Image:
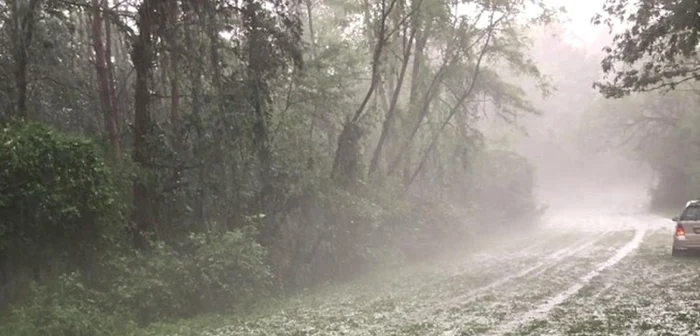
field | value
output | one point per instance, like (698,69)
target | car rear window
(691,213)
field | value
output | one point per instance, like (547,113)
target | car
(687,234)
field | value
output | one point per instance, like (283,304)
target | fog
(345,167)
(578,165)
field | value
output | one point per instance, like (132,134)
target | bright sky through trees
(578,18)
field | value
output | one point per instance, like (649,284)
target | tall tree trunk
(175,52)
(312,39)
(110,67)
(417,79)
(257,99)
(351,133)
(449,58)
(194,47)
(120,82)
(103,82)
(312,32)
(142,56)
(23,20)
(456,108)
(389,117)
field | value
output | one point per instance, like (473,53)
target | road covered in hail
(582,272)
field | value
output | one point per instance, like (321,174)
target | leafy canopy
(656,50)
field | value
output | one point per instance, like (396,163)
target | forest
(161,160)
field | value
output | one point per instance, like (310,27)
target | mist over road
(590,269)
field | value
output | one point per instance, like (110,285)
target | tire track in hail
(551,261)
(491,258)
(402,291)
(547,306)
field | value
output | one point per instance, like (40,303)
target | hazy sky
(579,14)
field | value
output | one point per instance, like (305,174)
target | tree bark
(389,117)
(257,99)
(312,32)
(351,132)
(455,109)
(175,114)
(23,20)
(103,82)
(142,55)
(432,92)
(110,68)
(194,47)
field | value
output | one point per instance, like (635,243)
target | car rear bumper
(686,244)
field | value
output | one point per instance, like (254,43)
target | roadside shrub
(58,203)
(63,307)
(230,269)
(506,191)
(209,272)
(147,286)
(204,273)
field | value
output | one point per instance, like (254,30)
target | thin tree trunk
(432,92)
(121,91)
(312,32)
(312,39)
(196,85)
(175,115)
(23,20)
(258,96)
(455,108)
(389,118)
(110,68)
(142,57)
(351,132)
(428,97)
(376,57)
(103,82)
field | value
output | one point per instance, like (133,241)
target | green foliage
(506,186)
(660,45)
(207,272)
(58,203)
(63,307)
(231,268)
(234,130)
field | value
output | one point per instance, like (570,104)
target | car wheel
(675,252)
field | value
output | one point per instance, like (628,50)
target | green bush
(58,203)
(207,272)
(230,269)
(64,307)
(212,272)
(147,285)
(506,189)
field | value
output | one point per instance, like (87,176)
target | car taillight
(680,231)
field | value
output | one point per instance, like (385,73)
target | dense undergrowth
(65,231)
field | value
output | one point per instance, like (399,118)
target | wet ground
(582,272)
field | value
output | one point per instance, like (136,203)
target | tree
(142,57)
(657,49)
(235,115)
(23,16)
(104,79)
